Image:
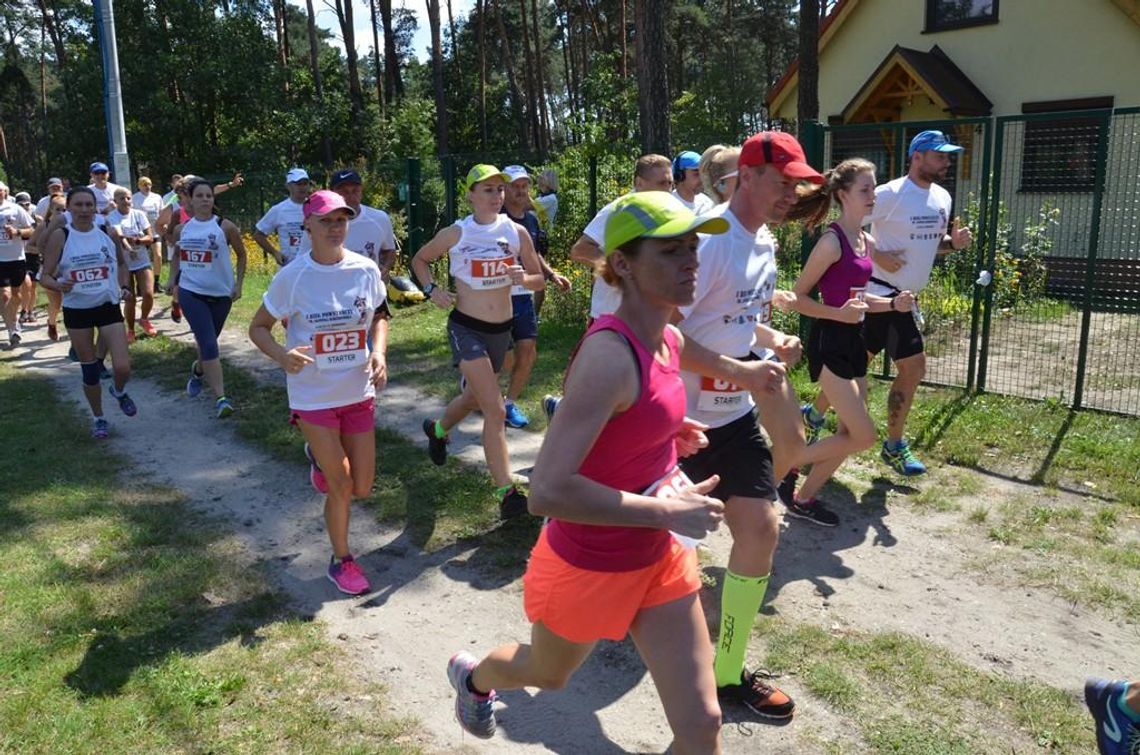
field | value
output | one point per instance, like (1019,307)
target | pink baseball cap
(323,202)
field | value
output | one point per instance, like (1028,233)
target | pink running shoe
(348,576)
(316,476)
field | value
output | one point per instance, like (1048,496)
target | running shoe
(14,339)
(100,429)
(130,336)
(223,407)
(194,384)
(148,329)
(761,698)
(176,312)
(513,504)
(902,460)
(32,317)
(475,713)
(23,316)
(787,487)
(53,331)
(550,405)
(813,511)
(348,576)
(316,476)
(1116,732)
(126,403)
(812,429)
(515,417)
(437,447)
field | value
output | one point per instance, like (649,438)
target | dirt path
(894,571)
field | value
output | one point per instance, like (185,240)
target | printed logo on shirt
(761,316)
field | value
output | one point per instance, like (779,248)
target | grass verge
(130,623)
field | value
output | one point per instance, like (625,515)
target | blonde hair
(814,202)
(144,181)
(716,162)
(548,181)
(647,163)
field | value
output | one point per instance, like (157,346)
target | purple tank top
(847,278)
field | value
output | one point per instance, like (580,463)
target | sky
(326,18)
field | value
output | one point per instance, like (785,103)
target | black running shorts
(92,317)
(894,331)
(837,346)
(737,452)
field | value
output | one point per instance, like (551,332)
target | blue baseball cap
(98,168)
(932,140)
(686,160)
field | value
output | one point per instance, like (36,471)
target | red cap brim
(803,171)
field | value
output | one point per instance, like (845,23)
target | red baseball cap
(781,149)
(323,202)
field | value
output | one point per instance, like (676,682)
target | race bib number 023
(491,273)
(340,349)
(721,396)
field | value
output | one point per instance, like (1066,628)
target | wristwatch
(428,289)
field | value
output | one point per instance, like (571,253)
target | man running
(54,186)
(16,227)
(104,190)
(286,220)
(151,204)
(369,229)
(687,185)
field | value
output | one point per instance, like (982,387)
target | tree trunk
(318,87)
(652,80)
(530,80)
(540,75)
(53,32)
(376,59)
(393,82)
(517,103)
(568,66)
(348,34)
(437,78)
(481,8)
(624,41)
(454,39)
(807,105)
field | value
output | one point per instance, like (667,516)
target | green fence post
(904,168)
(1090,265)
(979,257)
(593,185)
(813,140)
(412,205)
(448,165)
(991,246)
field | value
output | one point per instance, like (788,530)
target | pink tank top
(848,275)
(634,450)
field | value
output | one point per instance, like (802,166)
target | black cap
(346,176)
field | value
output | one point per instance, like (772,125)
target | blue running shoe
(223,407)
(194,384)
(515,416)
(126,403)
(902,460)
(475,713)
(549,406)
(812,429)
(1116,732)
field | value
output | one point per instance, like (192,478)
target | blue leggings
(207,316)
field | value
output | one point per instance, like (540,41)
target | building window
(1059,153)
(943,15)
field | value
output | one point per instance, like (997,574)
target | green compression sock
(440,433)
(740,600)
(502,489)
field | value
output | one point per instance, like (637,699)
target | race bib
(340,349)
(90,278)
(721,396)
(857,292)
(491,273)
(196,259)
(668,487)
(294,232)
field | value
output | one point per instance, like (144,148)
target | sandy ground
(878,571)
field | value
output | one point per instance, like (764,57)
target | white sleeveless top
(484,252)
(88,260)
(204,259)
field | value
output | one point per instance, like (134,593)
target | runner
(137,234)
(1115,708)
(15,229)
(52,219)
(840,265)
(718,172)
(334,363)
(54,186)
(524,307)
(286,220)
(730,315)
(87,266)
(687,183)
(606,565)
(173,214)
(205,285)
(546,203)
(150,203)
(488,253)
(32,259)
(370,230)
(103,189)
(911,226)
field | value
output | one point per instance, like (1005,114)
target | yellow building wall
(1039,50)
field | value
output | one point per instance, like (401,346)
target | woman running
(138,235)
(488,254)
(840,265)
(150,202)
(204,285)
(88,267)
(334,362)
(718,172)
(56,208)
(606,565)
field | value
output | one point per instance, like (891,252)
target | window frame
(933,26)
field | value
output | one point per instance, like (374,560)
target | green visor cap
(656,215)
(481,173)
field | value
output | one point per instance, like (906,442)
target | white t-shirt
(330,310)
(12,247)
(604,298)
(549,204)
(286,220)
(735,284)
(701,204)
(42,205)
(204,265)
(908,217)
(134,225)
(370,233)
(104,196)
(484,252)
(150,203)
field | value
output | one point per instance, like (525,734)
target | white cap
(296,174)
(516,172)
